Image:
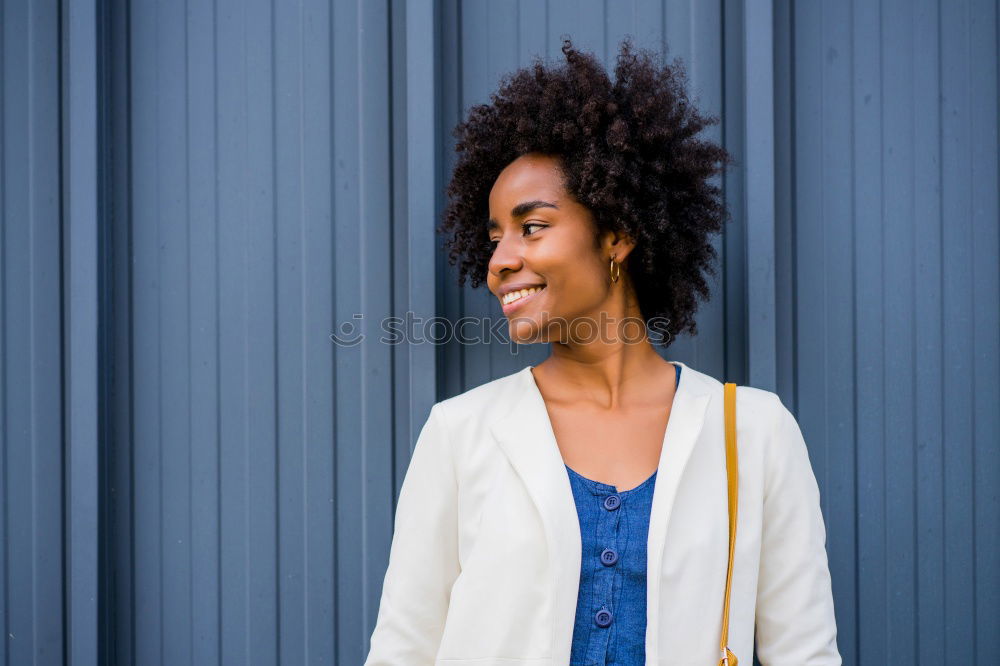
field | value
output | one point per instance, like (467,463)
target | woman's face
(544,240)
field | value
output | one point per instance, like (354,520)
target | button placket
(604,600)
(609,524)
(620,545)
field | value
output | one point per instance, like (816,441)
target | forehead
(530,176)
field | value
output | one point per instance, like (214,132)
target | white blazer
(484,566)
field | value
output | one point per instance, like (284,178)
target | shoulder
(764,425)
(755,408)
(479,402)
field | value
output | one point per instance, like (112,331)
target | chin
(525,331)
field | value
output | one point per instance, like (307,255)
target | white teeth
(515,295)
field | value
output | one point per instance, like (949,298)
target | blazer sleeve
(795,623)
(423,557)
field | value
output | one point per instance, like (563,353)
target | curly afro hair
(628,152)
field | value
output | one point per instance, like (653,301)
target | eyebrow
(522,209)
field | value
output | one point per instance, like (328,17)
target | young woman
(575,512)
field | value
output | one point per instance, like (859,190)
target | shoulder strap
(732,474)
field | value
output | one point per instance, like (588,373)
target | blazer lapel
(526,437)
(687,416)
(525,434)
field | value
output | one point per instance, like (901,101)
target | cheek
(578,289)
(575,276)
(565,259)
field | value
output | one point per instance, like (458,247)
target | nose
(506,255)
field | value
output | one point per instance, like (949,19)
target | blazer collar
(525,435)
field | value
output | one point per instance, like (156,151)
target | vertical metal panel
(925,151)
(81,384)
(363,250)
(784,255)
(418,69)
(888,310)
(971,361)
(117,585)
(981,20)
(758,68)
(727,359)
(31,302)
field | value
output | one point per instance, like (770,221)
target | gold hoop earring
(616,270)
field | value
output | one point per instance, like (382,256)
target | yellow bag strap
(732,474)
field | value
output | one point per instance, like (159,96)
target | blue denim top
(611,606)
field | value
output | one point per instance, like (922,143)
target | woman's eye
(493,243)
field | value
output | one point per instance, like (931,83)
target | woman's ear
(617,243)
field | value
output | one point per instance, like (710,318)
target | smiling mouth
(515,298)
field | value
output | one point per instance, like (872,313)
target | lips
(521,302)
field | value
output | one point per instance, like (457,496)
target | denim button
(612,502)
(609,557)
(603,618)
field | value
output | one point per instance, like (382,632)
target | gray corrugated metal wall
(888,269)
(31,337)
(196,195)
